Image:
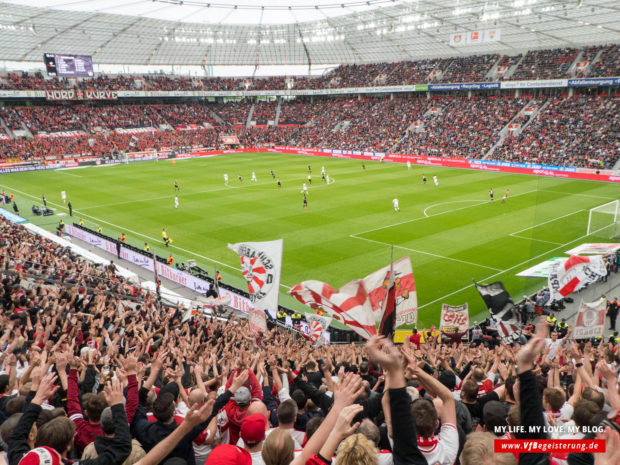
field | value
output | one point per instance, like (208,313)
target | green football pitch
(453,233)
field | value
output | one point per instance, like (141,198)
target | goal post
(604,220)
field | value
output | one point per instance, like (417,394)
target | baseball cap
(227,454)
(242,396)
(253,428)
(172,388)
(494,417)
(41,456)
(448,379)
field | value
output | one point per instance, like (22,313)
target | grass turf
(452,233)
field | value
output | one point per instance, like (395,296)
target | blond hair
(357,449)
(278,448)
(479,450)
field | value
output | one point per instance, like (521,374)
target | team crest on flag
(574,274)
(317,324)
(261,263)
(590,320)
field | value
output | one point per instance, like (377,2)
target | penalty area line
(426,253)
(504,271)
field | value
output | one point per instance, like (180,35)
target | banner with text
(454,319)
(590,320)
(261,263)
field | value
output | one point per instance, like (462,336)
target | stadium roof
(290,32)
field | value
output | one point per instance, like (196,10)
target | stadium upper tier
(594,61)
(581,130)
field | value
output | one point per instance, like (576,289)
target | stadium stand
(545,64)
(108,371)
(536,64)
(568,132)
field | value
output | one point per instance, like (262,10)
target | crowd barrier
(238,301)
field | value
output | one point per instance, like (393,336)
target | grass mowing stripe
(317,240)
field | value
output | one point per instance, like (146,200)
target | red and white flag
(349,304)
(361,303)
(317,324)
(590,320)
(574,274)
(258,323)
(261,263)
(405,296)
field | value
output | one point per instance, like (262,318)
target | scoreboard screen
(68,65)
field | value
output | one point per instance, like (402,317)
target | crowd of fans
(577,131)
(93,368)
(469,69)
(264,112)
(608,63)
(568,132)
(536,64)
(545,64)
(464,128)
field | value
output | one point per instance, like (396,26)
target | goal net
(604,220)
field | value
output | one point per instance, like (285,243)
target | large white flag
(574,274)
(261,263)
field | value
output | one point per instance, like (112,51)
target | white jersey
(305,188)
(322,170)
(443,449)
(63,195)
(225,178)
(408,165)
(254,176)
(176,202)
(435,180)
(395,203)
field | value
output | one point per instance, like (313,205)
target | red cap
(227,454)
(253,428)
(41,456)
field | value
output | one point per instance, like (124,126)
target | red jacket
(86,431)
(233,412)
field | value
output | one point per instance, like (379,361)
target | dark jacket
(405,450)
(152,433)
(120,445)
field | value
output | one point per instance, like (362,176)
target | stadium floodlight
(604,220)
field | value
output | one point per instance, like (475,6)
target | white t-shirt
(395,202)
(445,450)
(257,458)
(553,346)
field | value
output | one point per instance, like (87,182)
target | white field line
(532,239)
(516,233)
(504,271)
(453,201)
(64,171)
(99,220)
(437,214)
(427,253)
(546,222)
